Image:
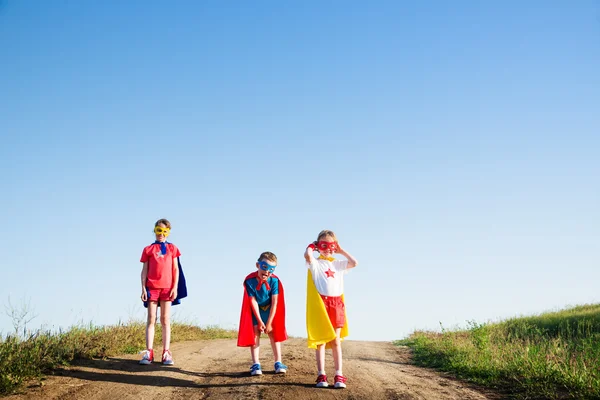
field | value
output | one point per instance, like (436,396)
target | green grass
(23,359)
(554,355)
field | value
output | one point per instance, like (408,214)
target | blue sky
(453,148)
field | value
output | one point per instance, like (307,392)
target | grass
(23,359)
(554,355)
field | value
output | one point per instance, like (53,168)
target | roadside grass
(26,358)
(554,355)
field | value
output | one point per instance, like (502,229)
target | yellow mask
(162,231)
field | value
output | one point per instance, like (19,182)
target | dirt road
(217,369)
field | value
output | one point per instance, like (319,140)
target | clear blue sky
(452,146)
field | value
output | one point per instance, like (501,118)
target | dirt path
(217,369)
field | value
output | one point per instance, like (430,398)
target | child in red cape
(263,311)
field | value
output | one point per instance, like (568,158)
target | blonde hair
(163,221)
(324,233)
(267,255)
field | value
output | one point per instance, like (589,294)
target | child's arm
(261,325)
(269,326)
(351,260)
(308,254)
(173,293)
(144,278)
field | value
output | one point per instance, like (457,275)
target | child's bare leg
(336,347)
(255,350)
(320,355)
(150,322)
(276,347)
(165,322)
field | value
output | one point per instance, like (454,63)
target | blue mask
(266,267)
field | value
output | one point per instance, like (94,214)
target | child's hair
(163,221)
(267,255)
(324,233)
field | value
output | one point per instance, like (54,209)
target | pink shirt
(160,266)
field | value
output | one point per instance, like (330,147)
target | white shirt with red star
(328,276)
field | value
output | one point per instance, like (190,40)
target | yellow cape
(318,325)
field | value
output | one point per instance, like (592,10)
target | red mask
(323,245)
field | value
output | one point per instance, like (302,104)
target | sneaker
(255,369)
(280,368)
(340,381)
(147,357)
(167,358)
(322,381)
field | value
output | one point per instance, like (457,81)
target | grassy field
(554,355)
(23,359)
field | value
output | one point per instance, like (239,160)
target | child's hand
(261,327)
(173,294)
(144,295)
(308,254)
(268,328)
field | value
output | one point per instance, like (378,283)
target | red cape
(246,330)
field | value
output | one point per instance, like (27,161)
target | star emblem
(159,254)
(330,273)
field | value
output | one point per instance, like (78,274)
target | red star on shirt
(329,273)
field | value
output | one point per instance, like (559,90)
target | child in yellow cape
(326,322)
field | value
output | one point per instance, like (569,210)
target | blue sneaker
(255,369)
(280,368)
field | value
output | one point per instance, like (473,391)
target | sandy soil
(218,369)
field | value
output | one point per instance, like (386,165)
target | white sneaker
(167,358)
(147,357)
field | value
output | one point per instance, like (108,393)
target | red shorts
(158,294)
(336,310)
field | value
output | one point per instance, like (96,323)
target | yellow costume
(318,325)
